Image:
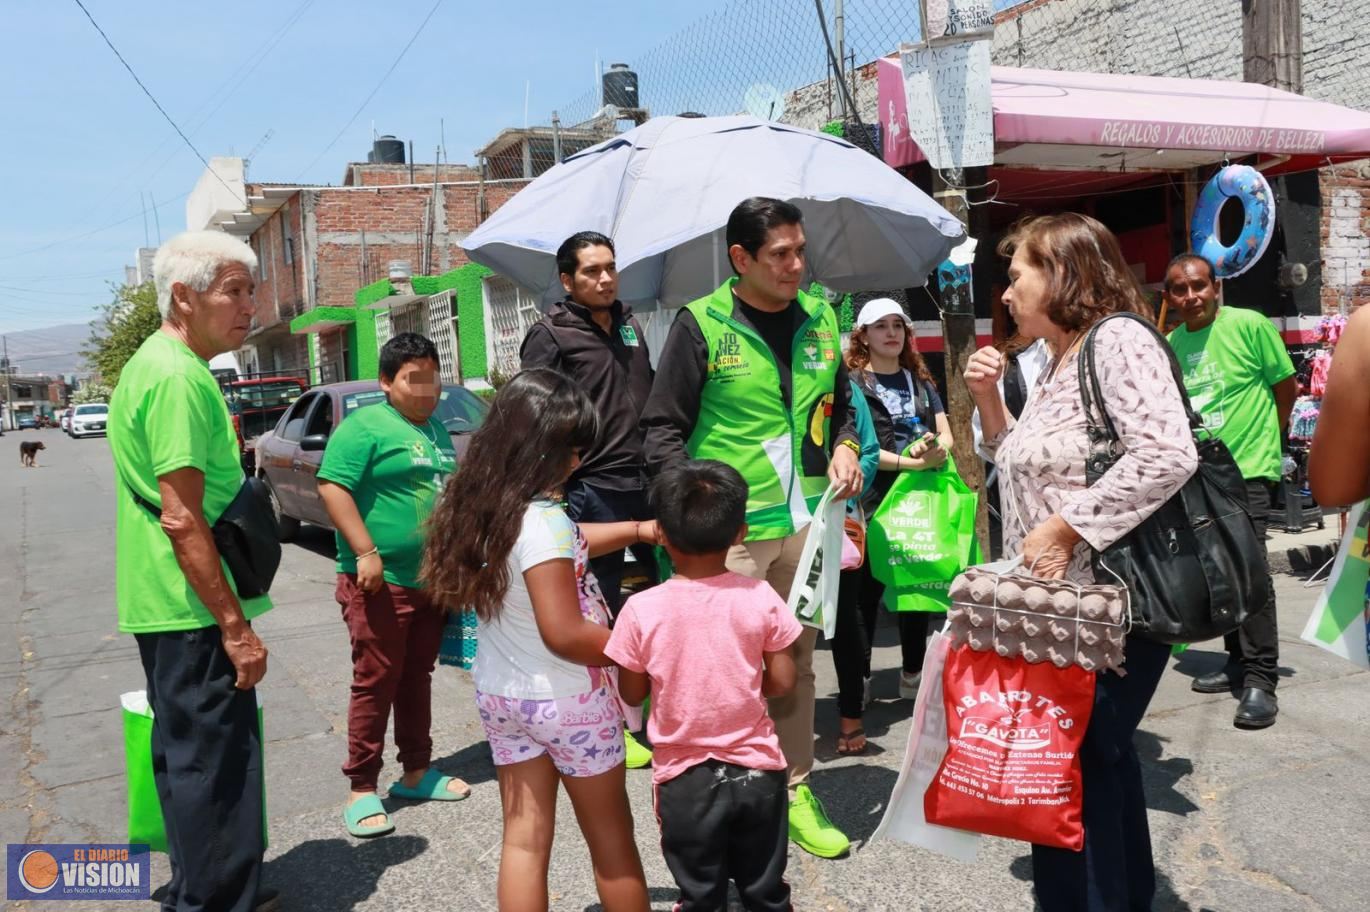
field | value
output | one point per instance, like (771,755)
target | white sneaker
(908,685)
(866,694)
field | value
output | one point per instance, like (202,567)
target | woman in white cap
(914,433)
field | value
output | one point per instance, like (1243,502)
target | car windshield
(460,410)
(266,395)
(92,409)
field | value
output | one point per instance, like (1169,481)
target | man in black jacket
(593,338)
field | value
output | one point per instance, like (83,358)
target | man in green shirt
(382,471)
(1240,379)
(175,451)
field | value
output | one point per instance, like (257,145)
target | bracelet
(637,531)
(852,445)
(899,463)
(374,551)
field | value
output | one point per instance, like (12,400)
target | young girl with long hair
(500,542)
(911,424)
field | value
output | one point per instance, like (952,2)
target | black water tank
(620,87)
(388,150)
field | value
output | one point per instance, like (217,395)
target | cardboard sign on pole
(947,90)
(957,20)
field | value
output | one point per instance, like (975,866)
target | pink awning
(1088,121)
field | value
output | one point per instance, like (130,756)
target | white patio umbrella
(664,190)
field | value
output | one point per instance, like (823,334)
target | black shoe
(1217,682)
(268,900)
(1257,709)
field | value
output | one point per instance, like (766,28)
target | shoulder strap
(1102,430)
(143,502)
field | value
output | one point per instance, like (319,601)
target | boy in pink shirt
(711,646)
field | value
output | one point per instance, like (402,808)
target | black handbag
(1196,568)
(246,536)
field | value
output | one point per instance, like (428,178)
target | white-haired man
(175,449)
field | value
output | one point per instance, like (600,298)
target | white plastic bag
(904,819)
(813,594)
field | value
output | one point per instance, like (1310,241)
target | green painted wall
(361,339)
(467,285)
(464,282)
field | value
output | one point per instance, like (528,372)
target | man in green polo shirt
(1240,379)
(177,469)
(753,376)
(382,471)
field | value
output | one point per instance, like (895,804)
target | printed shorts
(582,734)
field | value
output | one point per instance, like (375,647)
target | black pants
(1255,645)
(586,503)
(206,760)
(858,604)
(722,822)
(1115,871)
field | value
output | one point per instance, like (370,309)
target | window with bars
(510,311)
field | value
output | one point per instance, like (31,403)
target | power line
(152,97)
(362,107)
(86,234)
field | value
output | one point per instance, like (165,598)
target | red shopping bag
(1012,766)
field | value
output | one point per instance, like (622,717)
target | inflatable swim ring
(1249,186)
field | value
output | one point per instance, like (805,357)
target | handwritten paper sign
(957,20)
(950,113)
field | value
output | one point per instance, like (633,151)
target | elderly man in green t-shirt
(1240,379)
(177,463)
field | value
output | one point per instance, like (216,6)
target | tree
(124,324)
(91,391)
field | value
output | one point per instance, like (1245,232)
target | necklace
(421,428)
(1061,358)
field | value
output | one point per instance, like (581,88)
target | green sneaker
(810,828)
(638,754)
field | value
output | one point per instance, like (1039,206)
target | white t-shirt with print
(511,659)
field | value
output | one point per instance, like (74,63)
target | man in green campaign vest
(1240,379)
(753,376)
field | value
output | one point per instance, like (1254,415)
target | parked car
(289,456)
(256,405)
(27,423)
(88,419)
(64,420)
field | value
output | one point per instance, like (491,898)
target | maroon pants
(396,633)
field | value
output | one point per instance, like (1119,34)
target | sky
(86,147)
(88,154)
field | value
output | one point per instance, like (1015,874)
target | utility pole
(839,29)
(958,336)
(1272,43)
(9,390)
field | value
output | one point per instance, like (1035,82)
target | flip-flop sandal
(844,740)
(362,808)
(432,787)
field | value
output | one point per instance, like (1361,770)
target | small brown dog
(28,453)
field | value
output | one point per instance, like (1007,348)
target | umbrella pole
(957,307)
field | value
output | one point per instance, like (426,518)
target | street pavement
(1275,820)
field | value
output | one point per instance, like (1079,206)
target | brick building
(1324,215)
(318,246)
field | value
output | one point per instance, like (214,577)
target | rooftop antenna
(147,241)
(156,219)
(266,138)
(442,139)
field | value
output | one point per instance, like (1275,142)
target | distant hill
(50,350)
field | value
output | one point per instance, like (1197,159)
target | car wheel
(287,527)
